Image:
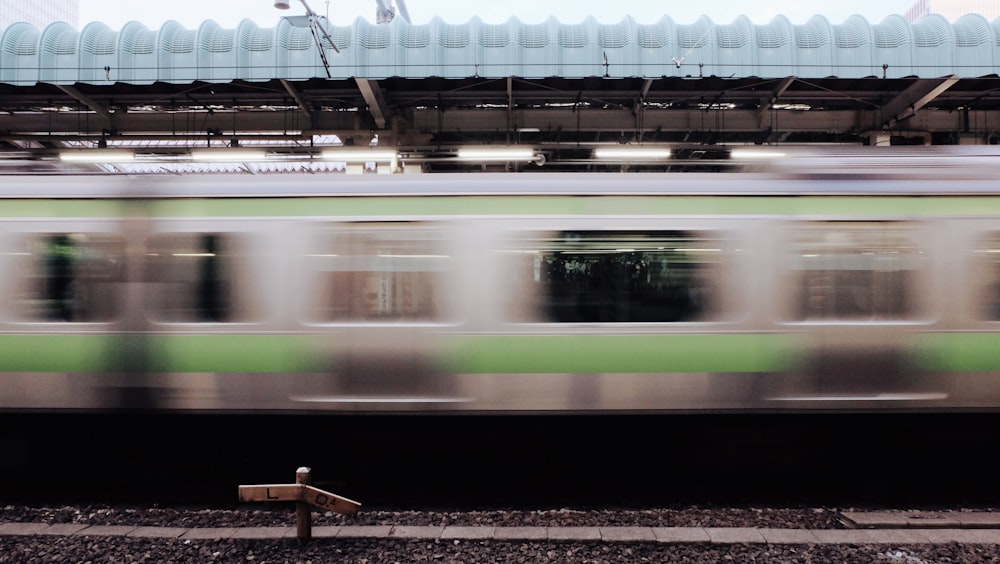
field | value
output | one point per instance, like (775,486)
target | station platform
(920,519)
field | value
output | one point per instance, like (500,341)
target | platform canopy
(855,48)
(427,90)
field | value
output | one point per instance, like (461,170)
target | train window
(380,272)
(73,277)
(988,276)
(618,276)
(193,277)
(854,271)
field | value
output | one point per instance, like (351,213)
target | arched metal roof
(931,47)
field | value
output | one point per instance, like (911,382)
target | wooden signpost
(304,495)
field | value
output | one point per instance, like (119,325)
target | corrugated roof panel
(931,47)
(776,51)
(57,55)
(974,49)
(21,39)
(97,46)
(217,54)
(451,45)
(934,45)
(853,42)
(19,54)
(734,46)
(296,57)
(815,44)
(136,58)
(256,56)
(655,36)
(894,47)
(176,61)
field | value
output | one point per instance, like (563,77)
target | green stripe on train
(463,354)
(958,352)
(953,352)
(159,353)
(62,208)
(384,206)
(62,353)
(623,353)
(234,353)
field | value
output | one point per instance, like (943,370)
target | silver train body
(810,290)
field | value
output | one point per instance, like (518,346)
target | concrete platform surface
(674,535)
(920,519)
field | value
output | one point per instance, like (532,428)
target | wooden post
(303,513)
(304,496)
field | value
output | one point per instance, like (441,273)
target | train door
(856,289)
(382,292)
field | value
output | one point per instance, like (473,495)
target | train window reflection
(380,272)
(855,271)
(618,276)
(73,277)
(193,277)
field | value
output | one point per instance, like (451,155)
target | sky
(228,13)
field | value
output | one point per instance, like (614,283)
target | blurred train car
(836,286)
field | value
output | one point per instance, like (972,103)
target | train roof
(786,171)
(524,185)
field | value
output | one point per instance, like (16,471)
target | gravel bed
(279,514)
(29,550)
(39,549)
(282,514)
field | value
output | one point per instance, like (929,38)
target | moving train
(834,284)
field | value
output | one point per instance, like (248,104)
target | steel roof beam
(824,97)
(482,120)
(643,93)
(300,100)
(87,101)
(775,95)
(911,100)
(375,99)
(766,117)
(510,107)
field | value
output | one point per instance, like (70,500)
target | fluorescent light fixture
(632,153)
(97,156)
(754,154)
(227,156)
(497,154)
(359,155)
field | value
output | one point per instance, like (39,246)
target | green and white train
(834,287)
